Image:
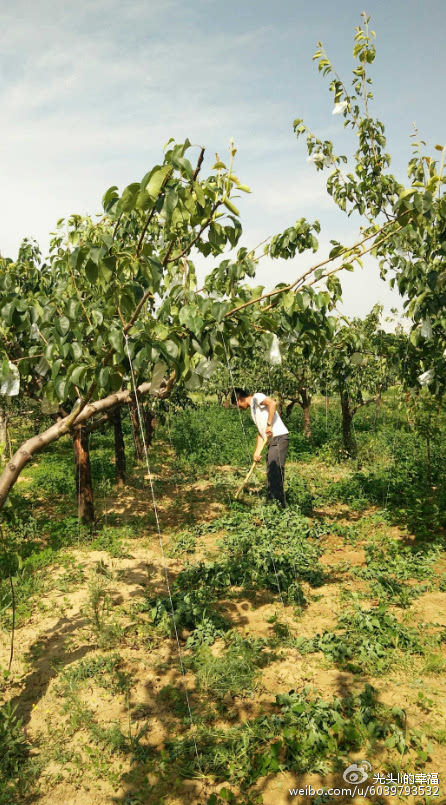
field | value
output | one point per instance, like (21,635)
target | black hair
(237,394)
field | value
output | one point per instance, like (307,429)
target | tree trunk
(306,402)
(149,426)
(120,468)
(139,449)
(289,408)
(3,434)
(84,486)
(30,447)
(347,417)
(428,456)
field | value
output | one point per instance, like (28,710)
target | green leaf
(60,385)
(288,301)
(170,203)
(201,198)
(129,196)
(78,374)
(42,367)
(171,348)
(115,380)
(104,272)
(116,340)
(91,271)
(55,368)
(110,198)
(76,350)
(95,254)
(156,181)
(182,164)
(231,207)
(143,200)
(336,250)
(104,375)
(64,325)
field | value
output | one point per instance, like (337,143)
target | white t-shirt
(259,414)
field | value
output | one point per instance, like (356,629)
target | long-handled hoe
(245,481)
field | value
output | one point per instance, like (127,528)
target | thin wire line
(166,573)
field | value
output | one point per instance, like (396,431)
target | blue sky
(91,91)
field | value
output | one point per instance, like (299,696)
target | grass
(263,600)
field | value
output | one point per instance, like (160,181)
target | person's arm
(259,447)
(271,405)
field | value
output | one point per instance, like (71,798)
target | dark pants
(275,467)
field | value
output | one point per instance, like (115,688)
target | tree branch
(365,402)
(322,276)
(151,214)
(193,242)
(199,164)
(32,446)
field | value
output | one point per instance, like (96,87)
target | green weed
(235,671)
(106,670)
(17,770)
(369,640)
(193,611)
(305,735)
(106,628)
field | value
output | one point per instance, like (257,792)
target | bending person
(270,430)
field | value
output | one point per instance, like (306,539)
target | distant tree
(403,226)
(357,363)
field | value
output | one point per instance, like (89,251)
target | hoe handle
(245,481)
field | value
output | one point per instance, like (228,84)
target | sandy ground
(59,634)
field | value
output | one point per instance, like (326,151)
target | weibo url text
(369,790)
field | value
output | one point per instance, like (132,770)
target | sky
(91,91)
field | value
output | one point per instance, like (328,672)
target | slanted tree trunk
(139,449)
(120,467)
(30,447)
(3,434)
(347,418)
(305,405)
(84,486)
